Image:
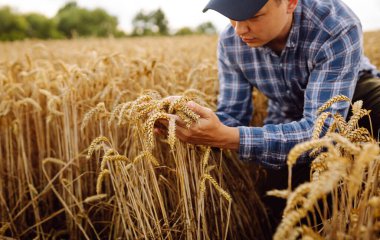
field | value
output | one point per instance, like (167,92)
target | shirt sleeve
(235,92)
(335,71)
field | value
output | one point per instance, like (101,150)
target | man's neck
(279,43)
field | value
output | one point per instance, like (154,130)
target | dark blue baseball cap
(238,10)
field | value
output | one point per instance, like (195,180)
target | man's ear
(292,4)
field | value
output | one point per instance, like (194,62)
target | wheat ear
(344,143)
(30,101)
(368,154)
(115,112)
(205,177)
(149,156)
(114,158)
(95,198)
(341,123)
(149,127)
(123,111)
(333,100)
(357,106)
(100,179)
(94,143)
(206,158)
(360,135)
(171,133)
(318,126)
(353,122)
(296,197)
(279,193)
(318,165)
(100,108)
(303,147)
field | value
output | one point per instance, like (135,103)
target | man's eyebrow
(261,12)
(258,15)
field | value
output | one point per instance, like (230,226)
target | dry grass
(59,96)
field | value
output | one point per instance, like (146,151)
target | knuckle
(208,110)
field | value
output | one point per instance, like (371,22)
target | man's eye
(256,17)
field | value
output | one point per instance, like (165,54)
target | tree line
(73,21)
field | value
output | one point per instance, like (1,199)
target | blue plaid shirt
(322,58)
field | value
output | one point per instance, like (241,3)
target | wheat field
(79,159)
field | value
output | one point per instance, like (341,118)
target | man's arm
(235,92)
(336,66)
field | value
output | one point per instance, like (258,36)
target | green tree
(206,28)
(152,23)
(40,26)
(67,6)
(184,31)
(12,26)
(73,20)
(159,19)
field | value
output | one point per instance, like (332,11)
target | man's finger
(203,112)
(179,122)
(160,131)
(162,123)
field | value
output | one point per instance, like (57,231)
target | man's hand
(207,131)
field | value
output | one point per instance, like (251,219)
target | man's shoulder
(330,16)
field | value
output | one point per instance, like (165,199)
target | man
(299,53)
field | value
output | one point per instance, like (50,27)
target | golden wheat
(100,179)
(94,143)
(222,192)
(333,100)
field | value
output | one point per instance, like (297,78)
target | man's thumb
(203,112)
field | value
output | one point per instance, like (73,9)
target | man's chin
(255,44)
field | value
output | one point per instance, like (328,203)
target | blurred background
(56,19)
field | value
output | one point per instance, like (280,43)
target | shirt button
(280,64)
(288,91)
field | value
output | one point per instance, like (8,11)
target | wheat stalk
(4,228)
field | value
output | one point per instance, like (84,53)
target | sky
(180,13)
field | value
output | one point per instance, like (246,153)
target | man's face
(270,24)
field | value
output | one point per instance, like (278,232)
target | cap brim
(238,10)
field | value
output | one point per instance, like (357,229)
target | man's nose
(241,28)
